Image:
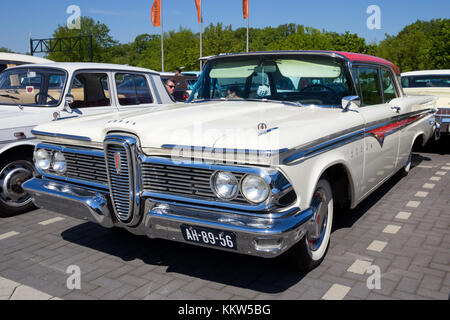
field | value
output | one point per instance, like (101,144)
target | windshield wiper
(204,100)
(291,103)
(12,98)
(9,96)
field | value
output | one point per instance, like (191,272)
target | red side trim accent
(381,132)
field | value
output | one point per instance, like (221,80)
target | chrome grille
(182,181)
(86,167)
(121,182)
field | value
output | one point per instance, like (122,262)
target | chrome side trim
(225,150)
(345,137)
(59,135)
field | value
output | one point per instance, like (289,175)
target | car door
(91,91)
(133,90)
(381,144)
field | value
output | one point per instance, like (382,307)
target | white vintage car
(271,144)
(435,83)
(40,93)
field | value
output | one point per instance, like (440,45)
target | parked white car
(435,83)
(271,144)
(8,60)
(35,94)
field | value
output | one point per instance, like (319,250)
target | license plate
(211,237)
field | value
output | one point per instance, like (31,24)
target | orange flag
(245,8)
(198,4)
(156,13)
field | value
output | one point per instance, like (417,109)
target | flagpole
(247,31)
(201,34)
(162,39)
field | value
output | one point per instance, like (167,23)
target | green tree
(3,49)
(102,42)
(419,46)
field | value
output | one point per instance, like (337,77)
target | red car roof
(347,55)
(366,58)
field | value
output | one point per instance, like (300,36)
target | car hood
(14,117)
(227,124)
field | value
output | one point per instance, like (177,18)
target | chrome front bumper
(71,200)
(255,235)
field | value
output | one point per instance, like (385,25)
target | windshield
(32,87)
(429,81)
(306,80)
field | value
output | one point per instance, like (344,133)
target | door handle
(396,109)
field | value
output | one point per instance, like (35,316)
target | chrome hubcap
(11,178)
(319,221)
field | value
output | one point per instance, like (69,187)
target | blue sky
(127,19)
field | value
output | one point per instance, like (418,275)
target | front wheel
(407,167)
(309,252)
(13,199)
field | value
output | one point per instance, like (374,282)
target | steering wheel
(321,86)
(36,99)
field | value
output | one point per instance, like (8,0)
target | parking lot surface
(402,230)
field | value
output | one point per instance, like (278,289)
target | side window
(369,83)
(90,90)
(388,86)
(132,89)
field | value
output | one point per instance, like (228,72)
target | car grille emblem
(118,162)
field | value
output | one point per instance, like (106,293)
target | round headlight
(225,185)
(43,159)
(59,163)
(255,189)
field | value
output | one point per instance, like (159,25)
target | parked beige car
(9,60)
(434,83)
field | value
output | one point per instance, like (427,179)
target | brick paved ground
(403,229)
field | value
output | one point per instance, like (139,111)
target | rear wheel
(13,199)
(309,252)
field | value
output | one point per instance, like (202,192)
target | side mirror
(347,102)
(68,101)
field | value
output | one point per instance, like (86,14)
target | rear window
(426,81)
(132,89)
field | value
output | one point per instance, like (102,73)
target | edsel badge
(262,128)
(118,162)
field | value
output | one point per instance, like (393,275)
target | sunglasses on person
(171,87)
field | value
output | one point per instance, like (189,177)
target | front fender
(32,142)
(304,175)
